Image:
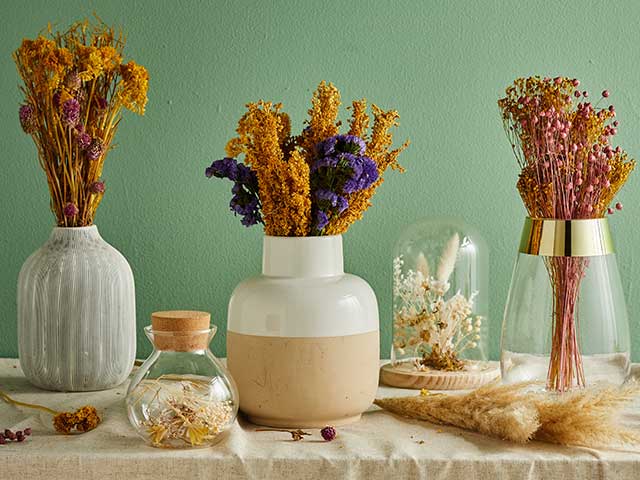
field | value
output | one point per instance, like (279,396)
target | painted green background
(442,64)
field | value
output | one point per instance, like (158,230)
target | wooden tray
(403,375)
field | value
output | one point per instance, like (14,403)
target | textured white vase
(76,313)
(303,338)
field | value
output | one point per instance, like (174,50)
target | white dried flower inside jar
(182,396)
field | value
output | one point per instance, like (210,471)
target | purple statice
(95,150)
(245,200)
(225,168)
(97,187)
(321,220)
(83,139)
(339,169)
(70,210)
(56,99)
(27,118)
(341,144)
(70,114)
(364,174)
(326,199)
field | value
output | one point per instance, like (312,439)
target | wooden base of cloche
(404,375)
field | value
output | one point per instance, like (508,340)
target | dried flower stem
(83,420)
(296,435)
(587,417)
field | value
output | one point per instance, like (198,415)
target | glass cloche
(440,308)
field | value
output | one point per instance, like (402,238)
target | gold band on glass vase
(566,238)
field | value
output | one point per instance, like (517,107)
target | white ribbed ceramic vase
(303,338)
(76,313)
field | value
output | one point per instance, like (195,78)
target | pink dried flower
(328,433)
(70,210)
(97,187)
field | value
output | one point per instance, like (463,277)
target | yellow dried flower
(323,118)
(359,122)
(283,182)
(135,82)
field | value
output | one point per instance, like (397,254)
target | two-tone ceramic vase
(303,337)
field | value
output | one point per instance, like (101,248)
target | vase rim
(304,237)
(88,227)
(584,237)
(308,257)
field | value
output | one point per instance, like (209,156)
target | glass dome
(440,297)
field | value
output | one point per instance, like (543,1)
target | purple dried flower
(324,162)
(327,199)
(350,144)
(225,168)
(328,433)
(70,210)
(245,200)
(70,112)
(83,140)
(326,147)
(364,174)
(27,118)
(321,220)
(97,187)
(56,99)
(95,150)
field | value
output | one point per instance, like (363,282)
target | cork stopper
(180,330)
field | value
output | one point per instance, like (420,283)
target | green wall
(442,64)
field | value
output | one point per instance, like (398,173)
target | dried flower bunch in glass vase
(565,322)
(440,289)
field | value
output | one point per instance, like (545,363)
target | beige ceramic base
(404,375)
(304,382)
(297,423)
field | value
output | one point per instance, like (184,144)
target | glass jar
(565,322)
(440,308)
(181,396)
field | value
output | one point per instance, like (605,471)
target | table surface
(380,446)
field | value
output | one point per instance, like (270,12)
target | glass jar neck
(304,257)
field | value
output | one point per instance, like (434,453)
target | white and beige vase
(76,313)
(303,337)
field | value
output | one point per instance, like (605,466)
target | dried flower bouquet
(75,87)
(569,170)
(315,183)
(429,322)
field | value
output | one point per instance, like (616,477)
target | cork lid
(181,330)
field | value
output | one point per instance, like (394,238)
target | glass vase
(182,396)
(565,322)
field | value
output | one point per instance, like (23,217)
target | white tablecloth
(380,446)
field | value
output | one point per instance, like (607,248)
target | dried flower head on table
(587,417)
(82,420)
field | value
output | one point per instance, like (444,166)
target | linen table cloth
(380,446)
